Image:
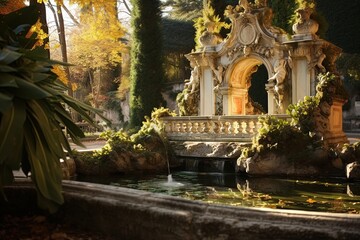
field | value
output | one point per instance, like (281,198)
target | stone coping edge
(133,214)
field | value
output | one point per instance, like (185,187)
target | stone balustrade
(212,128)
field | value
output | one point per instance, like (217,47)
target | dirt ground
(39,227)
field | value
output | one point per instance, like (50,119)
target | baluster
(251,127)
(207,127)
(216,127)
(243,127)
(226,127)
(231,127)
(167,127)
(201,127)
(189,127)
(222,126)
(182,127)
(195,127)
(176,127)
(236,127)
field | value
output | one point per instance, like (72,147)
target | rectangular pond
(333,195)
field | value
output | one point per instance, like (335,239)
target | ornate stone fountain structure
(217,100)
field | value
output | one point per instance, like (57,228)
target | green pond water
(324,195)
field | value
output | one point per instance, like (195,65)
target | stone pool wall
(133,214)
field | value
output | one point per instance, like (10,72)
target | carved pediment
(251,33)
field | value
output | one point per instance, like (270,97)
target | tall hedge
(146,73)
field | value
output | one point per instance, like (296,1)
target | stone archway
(238,81)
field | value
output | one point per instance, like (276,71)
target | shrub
(302,113)
(280,136)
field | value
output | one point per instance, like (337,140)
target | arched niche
(236,99)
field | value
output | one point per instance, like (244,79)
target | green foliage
(208,16)
(278,135)
(283,11)
(181,101)
(298,136)
(330,86)
(147,74)
(32,111)
(183,9)
(150,138)
(302,113)
(119,141)
(152,126)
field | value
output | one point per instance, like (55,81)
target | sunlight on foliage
(97,42)
(60,72)
(40,34)
(208,17)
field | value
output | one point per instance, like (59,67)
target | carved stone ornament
(247,34)
(304,24)
(208,37)
(279,78)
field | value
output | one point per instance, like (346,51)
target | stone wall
(133,214)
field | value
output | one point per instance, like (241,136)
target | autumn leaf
(310,200)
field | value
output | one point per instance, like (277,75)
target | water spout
(171,183)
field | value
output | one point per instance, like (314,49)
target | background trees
(96,50)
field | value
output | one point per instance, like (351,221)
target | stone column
(271,98)
(300,79)
(207,97)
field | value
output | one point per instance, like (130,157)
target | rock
(350,153)
(353,171)
(207,149)
(353,190)
(272,164)
(319,156)
(129,162)
(337,163)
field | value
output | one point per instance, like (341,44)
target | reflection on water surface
(324,195)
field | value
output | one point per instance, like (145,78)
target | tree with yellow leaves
(96,46)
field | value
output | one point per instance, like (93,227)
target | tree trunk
(62,40)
